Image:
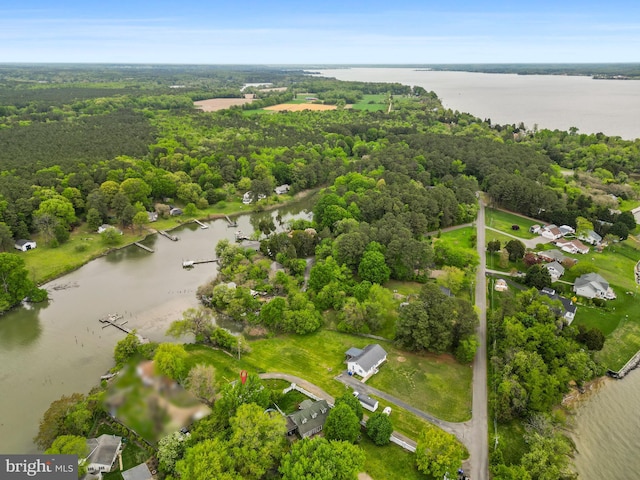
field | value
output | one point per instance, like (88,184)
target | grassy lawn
(404,288)
(319,357)
(511,441)
(502,221)
(389,462)
(371,103)
(435,384)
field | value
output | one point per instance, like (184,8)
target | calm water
(550,101)
(607,424)
(60,348)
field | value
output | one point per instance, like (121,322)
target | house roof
(366,399)
(102,450)
(353,352)
(22,242)
(555,254)
(139,472)
(311,417)
(567,304)
(594,235)
(556,266)
(579,245)
(371,355)
(593,279)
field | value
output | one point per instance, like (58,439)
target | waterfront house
(365,362)
(104,227)
(103,452)
(309,420)
(282,189)
(175,211)
(24,245)
(247,198)
(592,285)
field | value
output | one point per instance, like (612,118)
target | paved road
(479,441)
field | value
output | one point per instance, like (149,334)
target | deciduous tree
(342,424)
(320,459)
(379,428)
(438,453)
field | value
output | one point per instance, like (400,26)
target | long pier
(144,247)
(173,238)
(193,263)
(230,223)
(202,225)
(111,321)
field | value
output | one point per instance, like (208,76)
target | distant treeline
(596,70)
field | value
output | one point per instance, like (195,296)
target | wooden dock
(144,247)
(202,225)
(111,321)
(230,223)
(193,263)
(173,238)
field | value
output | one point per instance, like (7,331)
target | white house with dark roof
(103,452)
(555,270)
(365,362)
(366,401)
(24,245)
(592,285)
(566,230)
(569,308)
(282,189)
(590,237)
(552,232)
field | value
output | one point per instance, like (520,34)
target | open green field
(461,237)
(502,221)
(390,462)
(372,103)
(319,357)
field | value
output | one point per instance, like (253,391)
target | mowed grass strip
(503,221)
(390,462)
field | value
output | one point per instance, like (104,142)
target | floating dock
(230,223)
(173,238)
(202,225)
(144,247)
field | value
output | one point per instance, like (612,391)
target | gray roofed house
(592,285)
(366,362)
(555,270)
(139,472)
(308,421)
(367,402)
(102,452)
(25,245)
(569,308)
(590,237)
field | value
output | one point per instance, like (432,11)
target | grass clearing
(503,221)
(372,103)
(389,462)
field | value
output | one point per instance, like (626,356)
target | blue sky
(321,32)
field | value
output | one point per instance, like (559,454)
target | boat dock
(202,225)
(111,321)
(240,236)
(230,223)
(144,247)
(193,263)
(173,238)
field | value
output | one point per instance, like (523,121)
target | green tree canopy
(171,360)
(342,424)
(438,453)
(320,459)
(379,428)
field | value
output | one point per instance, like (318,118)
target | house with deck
(365,362)
(592,285)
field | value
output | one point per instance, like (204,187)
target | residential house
(552,232)
(590,237)
(366,401)
(309,420)
(555,270)
(282,189)
(153,216)
(501,285)
(104,227)
(103,452)
(554,255)
(572,246)
(24,245)
(247,198)
(175,211)
(592,285)
(568,307)
(365,362)
(566,230)
(139,472)
(535,228)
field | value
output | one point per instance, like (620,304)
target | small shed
(367,402)
(24,245)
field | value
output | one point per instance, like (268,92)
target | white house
(104,227)
(552,232)
(282,189)
(366,401)
(365,362)
(572,246)
(592,285)
(568,307)
(566,230)
(103,452)
(555,270)
(535,228)
(590,237)
(247,198)
(501,285)
(24,245)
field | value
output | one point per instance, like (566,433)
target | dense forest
(85,146)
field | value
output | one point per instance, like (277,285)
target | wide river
(606,427)
(60,347)
(550,101)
